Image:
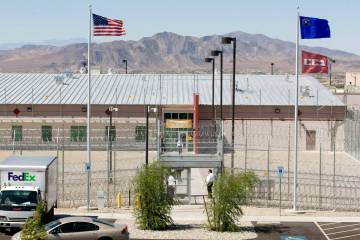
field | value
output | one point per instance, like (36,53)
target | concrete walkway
(198,185)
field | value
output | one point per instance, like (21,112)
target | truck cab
(25,181)
(17,203)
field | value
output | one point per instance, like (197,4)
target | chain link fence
(328,176)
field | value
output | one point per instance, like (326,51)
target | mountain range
(168,52)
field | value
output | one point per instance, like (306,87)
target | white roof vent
(306,91)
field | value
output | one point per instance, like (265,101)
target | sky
(42,20)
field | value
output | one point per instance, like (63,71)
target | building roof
(164,89)
(28,162)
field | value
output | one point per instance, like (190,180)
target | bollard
(129,198)
(137,201)
(119,199)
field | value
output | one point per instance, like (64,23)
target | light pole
(272,68)
(330,69)
(60,81)
(111,134)
(216,53)
(209,60)
(125,61)
(229,40)
(147,111)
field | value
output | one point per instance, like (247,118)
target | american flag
(107,27)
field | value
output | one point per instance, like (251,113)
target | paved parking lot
(340,231)
(6,235)
(288,230)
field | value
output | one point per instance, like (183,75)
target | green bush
(34,229)
(230,192)
(152,202)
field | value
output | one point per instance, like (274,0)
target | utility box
(100,199)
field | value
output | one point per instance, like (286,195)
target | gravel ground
(189,230)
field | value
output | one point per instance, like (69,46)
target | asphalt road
(343,231)
(6,235)
(288,230)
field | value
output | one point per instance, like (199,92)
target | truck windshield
(18,198)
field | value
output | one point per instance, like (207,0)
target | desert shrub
(230,192)
(34,229)
(152,202)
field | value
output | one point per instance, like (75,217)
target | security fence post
(57,163)
(108,167)
(320,163)
(114,173)
(268,175)
(334,169)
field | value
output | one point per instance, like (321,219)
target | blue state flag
(314,28)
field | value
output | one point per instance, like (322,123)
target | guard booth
(183,163)
(178,126)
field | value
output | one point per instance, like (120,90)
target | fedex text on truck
(23,177)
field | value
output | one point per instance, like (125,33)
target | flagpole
(89,112)
(296,110)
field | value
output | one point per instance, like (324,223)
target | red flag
(314,63)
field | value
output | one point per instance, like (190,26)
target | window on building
(140,133)
(174,115)
(16,133)
(167,115)
(182,115)
(110,132)
(78,133)
(46,133)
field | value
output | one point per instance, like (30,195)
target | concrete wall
(205,112)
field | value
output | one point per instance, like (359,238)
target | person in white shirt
(210,178)
(179,146)
(171,185)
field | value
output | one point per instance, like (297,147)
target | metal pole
(57,162)
(114,174)
(288,162)
(221,84)
(32,102)
(158,136)
(233,108)
(126,70)
(222,145)
(272,68)
(108,168)
(89,111)
(320,163)
(296,111)
(147,135)
(280,197)
(213,90)
(14,136)
(63,160)
(268,173)
(334,167)
(110,146)
(330,73)
(246,146)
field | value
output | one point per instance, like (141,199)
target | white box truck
(24,182)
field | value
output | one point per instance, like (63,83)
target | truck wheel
(105,238)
